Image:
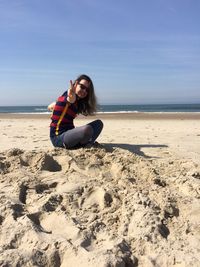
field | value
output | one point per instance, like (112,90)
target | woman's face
(82,88)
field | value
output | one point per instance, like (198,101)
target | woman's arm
(71,96)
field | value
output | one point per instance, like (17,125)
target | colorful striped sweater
(63,116)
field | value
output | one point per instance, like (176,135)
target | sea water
(110,108)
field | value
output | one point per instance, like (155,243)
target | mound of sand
(98,207)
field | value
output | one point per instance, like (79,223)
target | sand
(133,200)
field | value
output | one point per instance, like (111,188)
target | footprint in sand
(97,197)
(40,161)
(60,225)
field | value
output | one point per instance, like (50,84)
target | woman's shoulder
(63,97)
(64,94)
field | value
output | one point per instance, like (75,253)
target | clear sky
(136,51)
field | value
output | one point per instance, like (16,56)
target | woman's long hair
(88,104)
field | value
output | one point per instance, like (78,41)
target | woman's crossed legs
(80,136)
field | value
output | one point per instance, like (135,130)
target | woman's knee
(98,124)
(87,131)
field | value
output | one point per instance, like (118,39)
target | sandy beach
(133,200)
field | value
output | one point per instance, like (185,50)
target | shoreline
(114,116)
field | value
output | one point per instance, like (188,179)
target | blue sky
(136,51)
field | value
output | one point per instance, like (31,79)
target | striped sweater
(63,116)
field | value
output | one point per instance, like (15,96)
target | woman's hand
(51,106)
(72,92)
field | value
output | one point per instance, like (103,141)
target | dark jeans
(79,136)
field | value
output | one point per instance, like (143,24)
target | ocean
(160,108)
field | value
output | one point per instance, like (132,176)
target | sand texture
(124,203)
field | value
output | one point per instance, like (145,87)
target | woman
(79,99)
